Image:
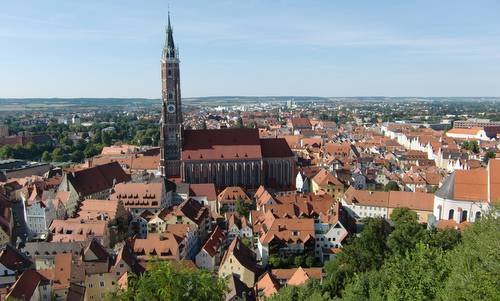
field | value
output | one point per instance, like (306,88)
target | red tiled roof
(224,144)
(95,179)
(471,185)
(494,169)
(26,285)
(204,189)
(301,123)
(275,147)
(214,242)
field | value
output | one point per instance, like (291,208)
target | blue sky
(314,48)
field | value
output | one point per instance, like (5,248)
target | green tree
(391,186)
(242,208)
(77,156)
(475,263)
(407,232)
(416,276)
(57,155)
(310,291)
(445,239)
(489,155)
(298,260)
(364,253)
(309,261)
(164,281)
(274,261)
(6,152)
(404,215)
(90,151)
(46,156)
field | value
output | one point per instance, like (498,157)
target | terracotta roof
(338,149)
(231,194)
(275,148)
(494,170)
(444,224)
(206,189)
(26,284)
(471,185)
(301,276)
(162,245)
(95,179)
(190,209)
(214,242)
(131,162)
(266,286)
(224,144)
(467,131)
(301,123)
(366,197)
(98,209)
(139,195)
(323,178)
(412,200)
(289,230)
(76,229)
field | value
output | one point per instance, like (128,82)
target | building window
(478,215)
(463,218)
(451,213)
(102,284)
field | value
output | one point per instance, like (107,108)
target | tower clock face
(171,108)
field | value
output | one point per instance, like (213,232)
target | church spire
(169,51)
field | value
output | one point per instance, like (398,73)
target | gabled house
(31,285)
(91,183)
(12,264)
(239,260)
(212,251)
(138,197)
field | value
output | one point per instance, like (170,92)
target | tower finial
(169,48)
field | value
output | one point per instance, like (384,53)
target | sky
(251,48)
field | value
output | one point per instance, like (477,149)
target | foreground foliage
(173,282)
(409,262)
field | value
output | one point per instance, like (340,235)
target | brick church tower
(171,113)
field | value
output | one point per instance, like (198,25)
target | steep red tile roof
(324,177)
(214,242)
(95,179)
(26,284)
(204,189)
(242,253)
(275,147)
(13,259)
(494,170)
(471,185)
(266,286)
(224,144)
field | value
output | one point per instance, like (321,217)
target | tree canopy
(165,280)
